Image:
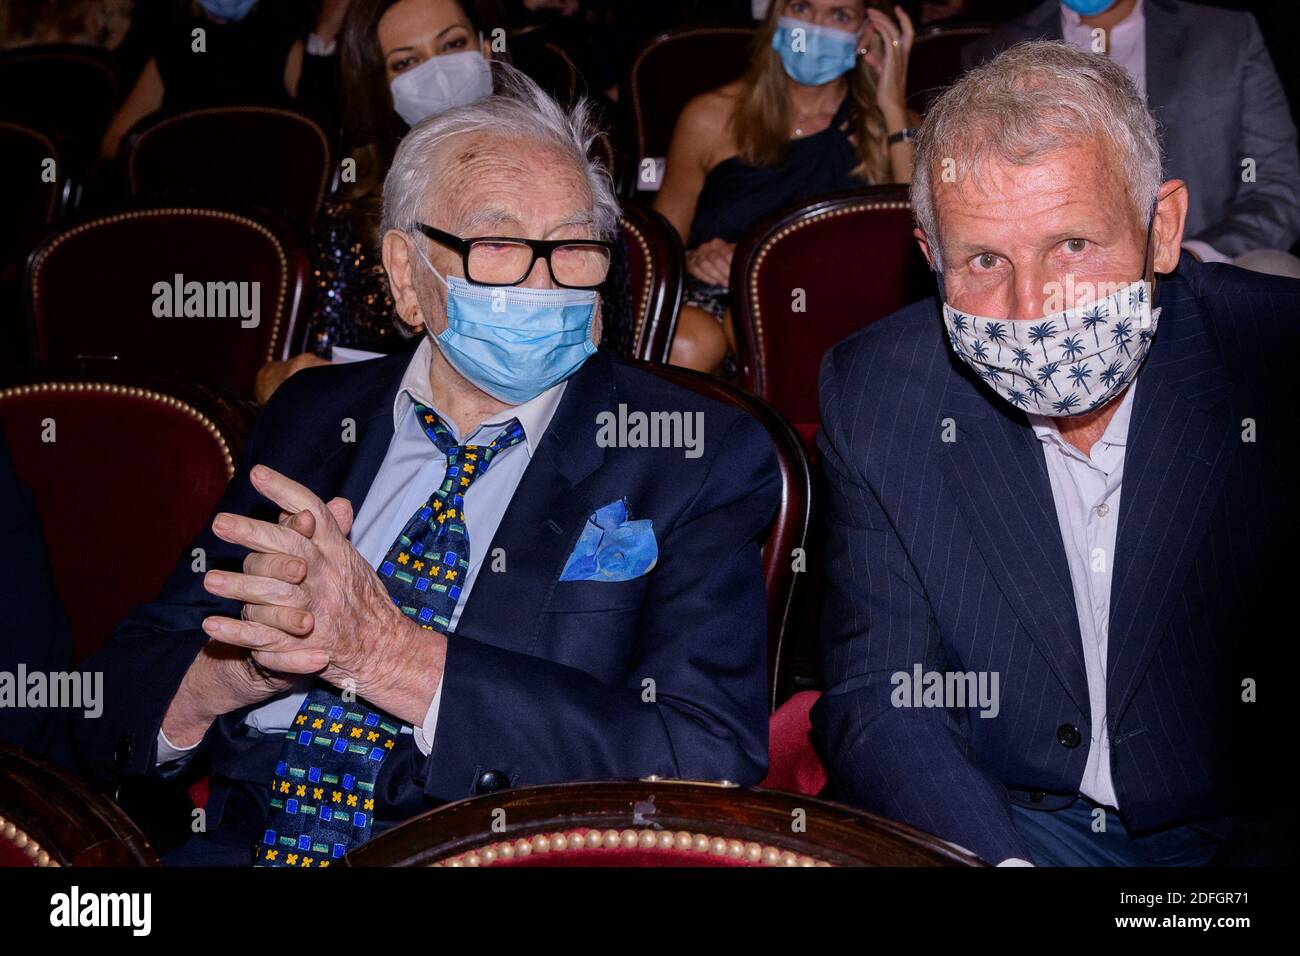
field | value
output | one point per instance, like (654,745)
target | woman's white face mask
(440,83)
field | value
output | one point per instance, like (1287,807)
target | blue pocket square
(611,548)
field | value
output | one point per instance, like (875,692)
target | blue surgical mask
(228,9)
(1089,8)
(814,55)
(515,343)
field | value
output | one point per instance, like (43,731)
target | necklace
(804,119)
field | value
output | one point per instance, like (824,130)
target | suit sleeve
(701,638)
(908,763)
(1265,214)
(145,660)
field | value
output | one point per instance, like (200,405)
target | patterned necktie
(322,797)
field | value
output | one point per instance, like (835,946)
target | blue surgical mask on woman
(228,9)
(1089,8)
(814,55)
(512,342)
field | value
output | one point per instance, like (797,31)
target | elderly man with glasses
(471,584)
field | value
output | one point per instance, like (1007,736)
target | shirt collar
(534,415)
(1072,21)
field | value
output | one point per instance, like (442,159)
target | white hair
(520,113)
(1029,101)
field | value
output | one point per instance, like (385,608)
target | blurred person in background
(251,52)
(821,109)
(101,23)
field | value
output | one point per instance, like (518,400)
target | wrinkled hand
(311,602)
(711,261)
(888,46)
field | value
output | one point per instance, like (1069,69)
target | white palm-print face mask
(1066,363)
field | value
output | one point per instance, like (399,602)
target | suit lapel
(347,469)
(997,465)
(544,518)
(1181,443)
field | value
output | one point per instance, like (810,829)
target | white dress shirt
(1086,490)
(1126,45)
(412,468)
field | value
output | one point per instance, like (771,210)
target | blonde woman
(821,108)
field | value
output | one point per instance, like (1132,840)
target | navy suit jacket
(949,554)
(544,679)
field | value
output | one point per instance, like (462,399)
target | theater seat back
(812,275)
(656,267)
(123,478)
(105,288)
(253,155)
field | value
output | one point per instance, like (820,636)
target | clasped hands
(313,605)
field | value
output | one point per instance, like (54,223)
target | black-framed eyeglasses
(507,260)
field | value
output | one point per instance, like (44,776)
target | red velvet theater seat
(935,62)
(792,763)
(651,823)
(97,289)
(66,91)
(27,209)
(251,155)
(49,818)
(656,267)
(127,482)
(810,276)
(790,527)
(670,70)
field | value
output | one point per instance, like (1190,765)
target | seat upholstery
(810,276)
(674,67)
(792,763)
(123,478)
(935,61)
(67,92)
(91,291)
(656,267)
(50,818)
(651,823)
(282,159)
(29,209)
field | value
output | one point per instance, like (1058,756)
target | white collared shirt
(1086,490)
(412,468)
(1126,45)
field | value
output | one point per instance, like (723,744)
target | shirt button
(1102,510)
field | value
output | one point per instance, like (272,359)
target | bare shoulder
(705,122)
(710,110)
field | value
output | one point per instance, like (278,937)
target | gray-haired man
(1074,472)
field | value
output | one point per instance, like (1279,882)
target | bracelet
(906,135)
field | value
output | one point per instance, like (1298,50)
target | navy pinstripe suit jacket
(949,554)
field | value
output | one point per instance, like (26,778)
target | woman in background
(252,52)
(822,108)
